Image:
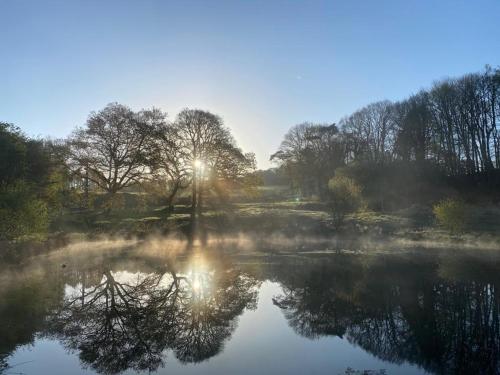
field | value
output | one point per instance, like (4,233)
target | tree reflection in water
(400,310)
(129,321)
(119,313)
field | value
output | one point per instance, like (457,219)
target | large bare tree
(111,149)
(209,152)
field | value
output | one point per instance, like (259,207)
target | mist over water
(127,306)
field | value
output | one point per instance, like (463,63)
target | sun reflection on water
(199,276)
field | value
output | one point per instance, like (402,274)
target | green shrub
(21,213)
(451,214)
(344,197)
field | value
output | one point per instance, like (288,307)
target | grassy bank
(290,219)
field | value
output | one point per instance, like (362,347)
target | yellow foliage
(451,214)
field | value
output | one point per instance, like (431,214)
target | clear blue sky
(262,65)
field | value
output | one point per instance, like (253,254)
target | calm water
(208,313)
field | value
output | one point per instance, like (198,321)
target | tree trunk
(199,208)
(86,202)
(170,198)
(194,193)
(193,224)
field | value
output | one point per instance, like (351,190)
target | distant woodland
(401,152)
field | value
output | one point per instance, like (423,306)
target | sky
(263,66)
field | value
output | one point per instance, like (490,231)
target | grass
(291,218)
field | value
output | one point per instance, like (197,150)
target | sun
(199,165)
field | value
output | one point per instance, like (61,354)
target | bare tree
(309,154)
(168,161)
(372,128)
(110,150)
(209,153)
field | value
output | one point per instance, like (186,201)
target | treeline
(115,151)
(449,131)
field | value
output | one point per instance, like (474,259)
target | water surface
(209,313)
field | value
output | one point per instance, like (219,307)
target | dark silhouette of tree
(168,161)
(211,158)
(203,135)
(413,124)
(111,150)
(310,154)
(210,153)
(12,153)
(371,131)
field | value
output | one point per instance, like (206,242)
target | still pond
(127,312)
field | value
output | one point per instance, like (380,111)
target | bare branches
(454,126)
(111,150)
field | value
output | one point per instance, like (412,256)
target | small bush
(344,197)
(450,214)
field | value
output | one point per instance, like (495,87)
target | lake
(118,310)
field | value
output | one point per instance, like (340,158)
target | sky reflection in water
(400,313)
